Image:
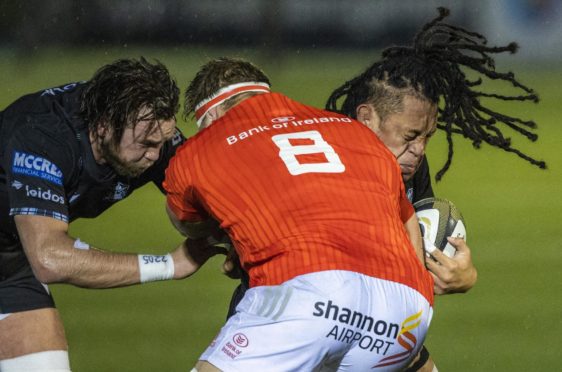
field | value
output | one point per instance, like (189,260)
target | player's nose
(418,147)
(152,155)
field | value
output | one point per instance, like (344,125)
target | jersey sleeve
(422,182)
(180,194)
(37,160)
(406,208)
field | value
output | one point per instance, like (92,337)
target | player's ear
(213,114)
(102,129)
(367,115)
(216,112)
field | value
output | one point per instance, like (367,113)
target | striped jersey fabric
(298,190)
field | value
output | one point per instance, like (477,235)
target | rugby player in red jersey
(316,209)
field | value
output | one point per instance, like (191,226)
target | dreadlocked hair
(433,68)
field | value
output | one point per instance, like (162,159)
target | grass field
(510,321)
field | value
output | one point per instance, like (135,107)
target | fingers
(438,285)
(227,266)
(459,244)
(231,266)
(439,256)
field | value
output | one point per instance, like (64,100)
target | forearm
(60,262)
(94,268)
(56,258)
(413,230)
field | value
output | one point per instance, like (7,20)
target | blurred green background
(510,321)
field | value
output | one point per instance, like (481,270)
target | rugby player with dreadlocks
(398,98)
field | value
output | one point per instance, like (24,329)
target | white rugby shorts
(324,321)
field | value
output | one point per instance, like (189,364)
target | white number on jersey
(288,153)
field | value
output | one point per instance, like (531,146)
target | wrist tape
(153,268)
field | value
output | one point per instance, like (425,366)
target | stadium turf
(510,321)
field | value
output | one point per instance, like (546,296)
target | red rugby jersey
(299,190)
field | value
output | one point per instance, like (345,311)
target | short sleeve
(406,208)
(37,160)
(180,195)
(422,182)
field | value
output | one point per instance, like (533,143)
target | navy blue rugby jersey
(47,167)
(419,186)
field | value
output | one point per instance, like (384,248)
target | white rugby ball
(439,219)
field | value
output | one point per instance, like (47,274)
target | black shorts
(22,291)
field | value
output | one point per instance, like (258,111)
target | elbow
(46,269)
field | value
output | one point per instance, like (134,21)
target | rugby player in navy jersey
(69,152)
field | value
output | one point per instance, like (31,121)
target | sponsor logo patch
(177,139)
(58,90)
(17,184)
(406,339)
(240,339)
(73,198)
(410,194)
(368,332)
(121,190)
(39,193)
(36,166)
(282,119)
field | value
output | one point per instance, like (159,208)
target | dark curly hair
(118,92)
(433,68)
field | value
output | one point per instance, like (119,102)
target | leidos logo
(36,166)
(39,193)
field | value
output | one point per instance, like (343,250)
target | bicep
(414,233)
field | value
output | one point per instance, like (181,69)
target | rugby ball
(439,219)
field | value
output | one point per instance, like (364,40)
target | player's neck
(95,143)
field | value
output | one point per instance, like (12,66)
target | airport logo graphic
(406,339)
(36,166)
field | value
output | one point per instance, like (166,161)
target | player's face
(139,147)
(405,133)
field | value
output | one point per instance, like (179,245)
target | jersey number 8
(289,152)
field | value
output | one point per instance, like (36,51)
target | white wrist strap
(153,268)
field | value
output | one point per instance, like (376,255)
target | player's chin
(407,172)
(133,171)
